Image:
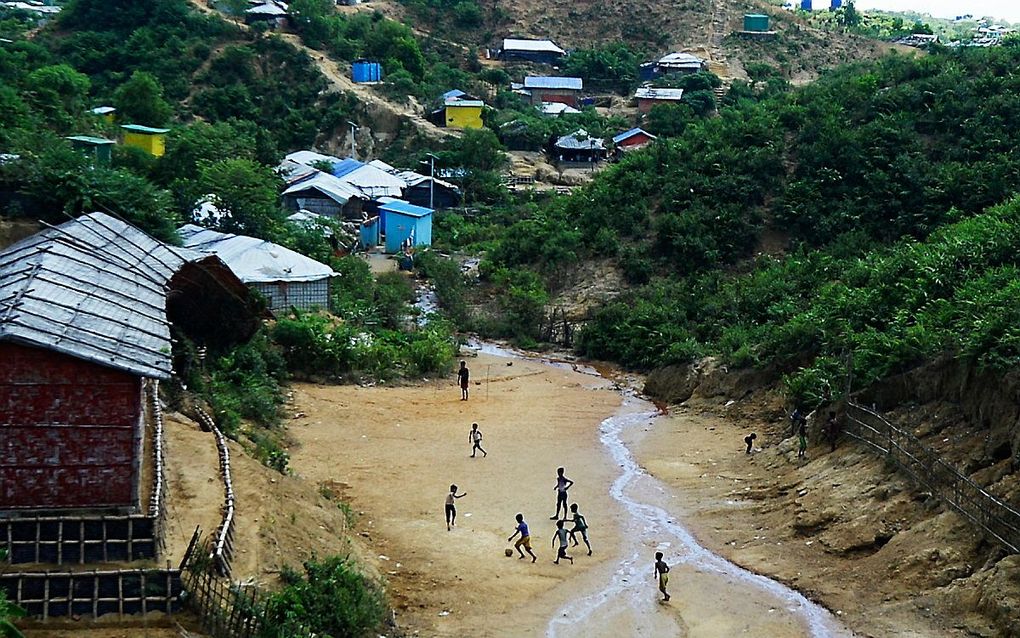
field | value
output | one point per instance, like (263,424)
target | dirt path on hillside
(392,453)
(379,109)
(376,106)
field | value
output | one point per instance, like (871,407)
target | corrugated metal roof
(631,133)
(580,140)
(254,260)
(89,139)
(148,130)
(103,110)
(93,288)
(405,208)
(537,46)
(455,103)
(452,95)
(649,93)
(544,82)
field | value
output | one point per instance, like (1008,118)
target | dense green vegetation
(877,190)
(331,598)
(234,97)
(9,612)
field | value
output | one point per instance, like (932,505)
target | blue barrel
(836,4)
(366,71)
(805,5)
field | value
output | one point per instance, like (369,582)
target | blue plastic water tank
(836,4)
(805,5)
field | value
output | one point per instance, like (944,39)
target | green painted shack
(99,149)
(756,22)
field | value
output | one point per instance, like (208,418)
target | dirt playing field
(392,453)
(678,483)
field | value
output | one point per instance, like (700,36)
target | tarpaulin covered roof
(332,187)
(680,60)
(539,46)
(372,181)
(309,157)
(579,139)
(254,260)
(345,166)
(556,108)
(409,177)
(649,93)
(268,9)
(93,288)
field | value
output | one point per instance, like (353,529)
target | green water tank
(756,22)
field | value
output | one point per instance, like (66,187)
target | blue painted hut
(364,71)
(403,221)
(368,233)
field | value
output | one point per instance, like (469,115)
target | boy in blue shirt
(524,540)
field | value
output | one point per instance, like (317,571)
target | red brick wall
(67,431)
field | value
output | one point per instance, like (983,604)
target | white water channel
(630,586)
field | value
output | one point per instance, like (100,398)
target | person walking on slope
(580,525)
(562,485)
(802,439)
(475,436)
(832,430)
(561,536)
(451,509)
(662,572)
(463,377)
(524,540)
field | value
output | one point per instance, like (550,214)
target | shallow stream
(714,597)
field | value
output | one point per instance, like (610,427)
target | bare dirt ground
(842,528)
(392,453)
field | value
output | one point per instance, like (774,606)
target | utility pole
(432,180)
(354,146)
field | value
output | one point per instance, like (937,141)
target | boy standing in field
(524,540)
(562,485)
(580,525)
(561,536)
(662,572)
(451,509)
(463,377)
(475,436)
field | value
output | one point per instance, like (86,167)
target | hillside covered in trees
(870,212)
